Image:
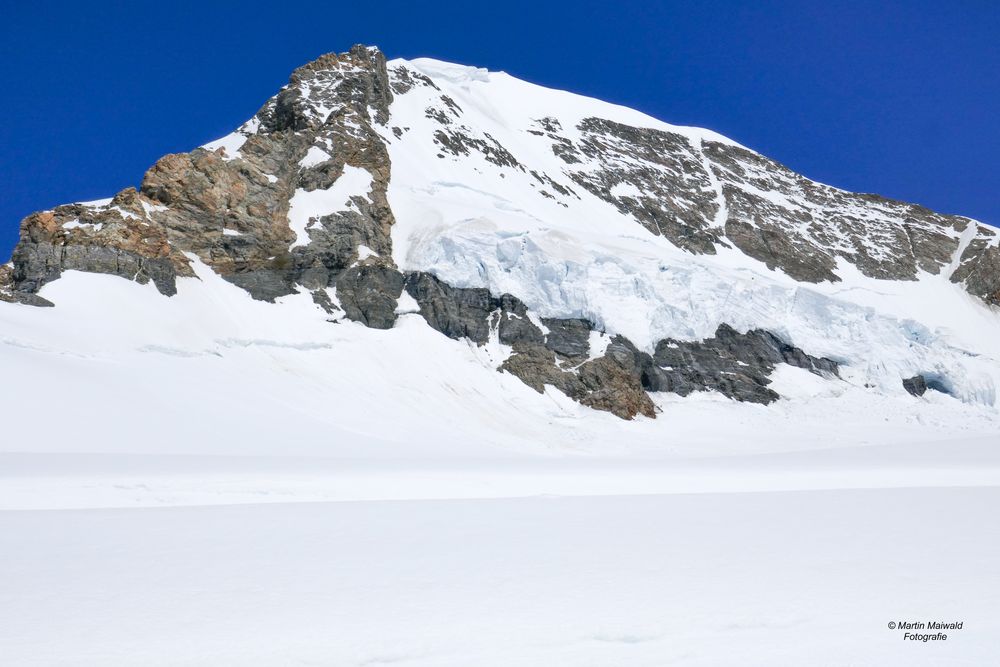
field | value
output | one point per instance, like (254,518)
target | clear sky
(899,98)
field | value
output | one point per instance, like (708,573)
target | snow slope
(210,370)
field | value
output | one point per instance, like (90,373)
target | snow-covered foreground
(750,578)
(98,481)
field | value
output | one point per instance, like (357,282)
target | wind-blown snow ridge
(466,77)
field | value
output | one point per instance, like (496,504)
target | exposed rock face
(732,363)
(916,385)
(231,206)
(656,176)
(404,79)
(452,136)
(229,214)
(701,195)
(7,283)
(801,227)
(570,337)
(606,383)
(297,199)
(455,312)
(514,326)
(616,381)
(121,238)
(611,384)
(369,293)
(979,267)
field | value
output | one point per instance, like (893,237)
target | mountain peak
(586,246)
(358,56)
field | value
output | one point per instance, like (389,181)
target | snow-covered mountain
(429,366)
(416,250)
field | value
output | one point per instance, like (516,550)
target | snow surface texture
(635,580)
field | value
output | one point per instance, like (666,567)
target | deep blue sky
(902,99)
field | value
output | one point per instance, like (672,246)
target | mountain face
(581,245)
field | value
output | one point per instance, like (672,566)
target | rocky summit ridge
(298,198)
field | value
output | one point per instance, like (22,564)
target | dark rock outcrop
(471,312)
(607,383)
(801,227)
(654,175)
(228,213)
(514,327)
(351,82)
(454,311)
(979,267)
(703,194)
(369,293)
(568,337)
(119,238)
(732,363)
(231,211)
(916,385)
(735,364)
